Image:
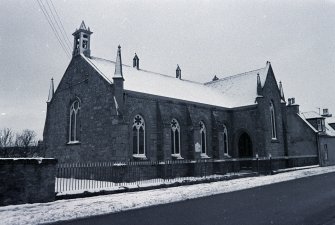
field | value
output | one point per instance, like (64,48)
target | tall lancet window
(175,138)
(74,128)
(225,141)
(203,138)
(273,121)
(138,136)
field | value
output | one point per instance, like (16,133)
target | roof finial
(82,25)
(136,62)
(281,91)
(178,72)
(259,85)
(51,90)
(118,64)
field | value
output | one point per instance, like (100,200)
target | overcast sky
(205,38)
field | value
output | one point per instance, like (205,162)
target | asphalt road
(303,201)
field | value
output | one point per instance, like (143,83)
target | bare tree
(6,137)
(26,138)
(6,142)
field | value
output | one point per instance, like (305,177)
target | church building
(104,110)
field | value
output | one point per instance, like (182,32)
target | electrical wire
(47,17)
(58,26)
(60,23)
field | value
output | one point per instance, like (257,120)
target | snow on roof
(330,120)
(168,86)
(241,87)
(311,115)
(314,115)
(329,130)
(304,119)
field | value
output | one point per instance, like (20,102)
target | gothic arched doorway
(244,146)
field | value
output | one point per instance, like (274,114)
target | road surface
(308,200)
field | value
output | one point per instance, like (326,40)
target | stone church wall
(98,121)
(106,135)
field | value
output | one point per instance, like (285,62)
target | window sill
(226,155)
(204,156)
(274,140)
(73,143)
(140,156)
(177,156)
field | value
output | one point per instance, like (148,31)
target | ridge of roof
(311,115)
(236,75)
(144,70)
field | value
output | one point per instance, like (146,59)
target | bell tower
(81,43)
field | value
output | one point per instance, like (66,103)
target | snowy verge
(83,207)
(82,187)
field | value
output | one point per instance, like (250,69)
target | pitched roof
(330,120)
(311,115)
(304,119)
(329,130)
(240,90)
(241,87)
(314,115)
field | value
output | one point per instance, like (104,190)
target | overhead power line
(60,39)
(61,23)
(66,42)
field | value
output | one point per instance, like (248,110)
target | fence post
(257,164)
(270,158)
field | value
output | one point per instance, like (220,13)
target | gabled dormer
(316,120)
(82,41)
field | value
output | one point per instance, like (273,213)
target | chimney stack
(326,113)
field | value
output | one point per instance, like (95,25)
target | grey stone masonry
(27,180)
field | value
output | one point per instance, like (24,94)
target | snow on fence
(79,177)
(75,178)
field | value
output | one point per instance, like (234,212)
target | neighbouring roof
(230,92)
(330,120)
(311,115)
(314,115)
(304,119)
(329,130)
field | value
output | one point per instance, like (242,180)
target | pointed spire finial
(51,90)
(118,64)
(259,85)
(82,25)
(178,72)
(136,62)
(281,91)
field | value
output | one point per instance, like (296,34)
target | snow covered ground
(66,186)
(84,207)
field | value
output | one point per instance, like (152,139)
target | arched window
(138,136)
(203,138)
(175,138)
(74,122)
(225,141)
(273,121)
